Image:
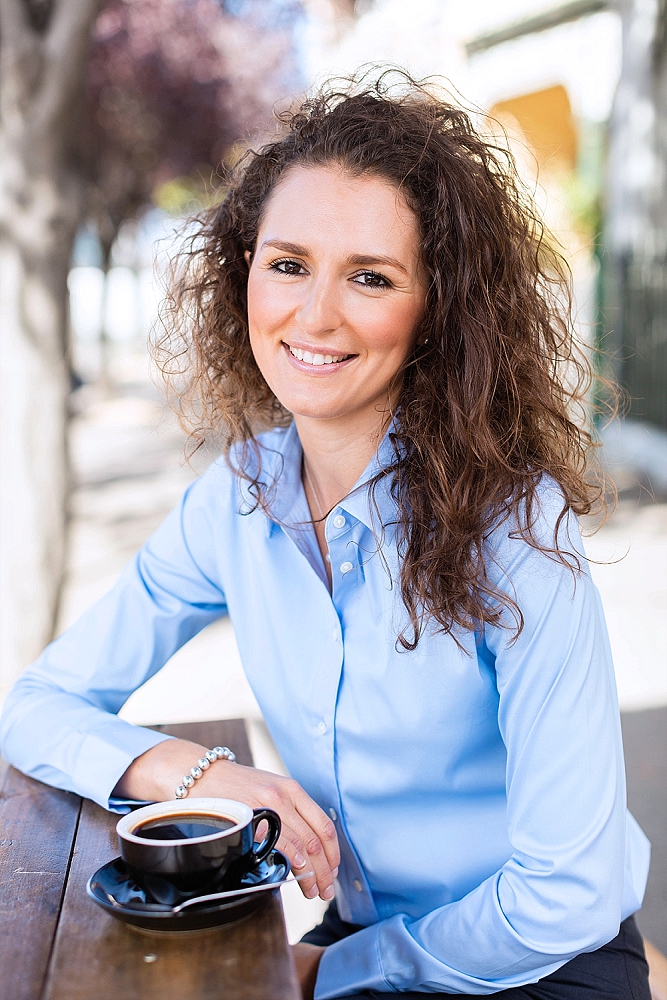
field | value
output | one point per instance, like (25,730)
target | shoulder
(226,487)
(261,455)
(535,557)
(540,532)
(257,455)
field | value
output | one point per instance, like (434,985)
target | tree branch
(571,10)
(65,47)
(14,24)
(20,58)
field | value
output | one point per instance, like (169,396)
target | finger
(305,850)
(322,826)
(315,853)
(308,835)
(261,831)
(293,847)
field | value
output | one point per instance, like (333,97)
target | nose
(319,312)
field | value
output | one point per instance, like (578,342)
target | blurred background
(114,118)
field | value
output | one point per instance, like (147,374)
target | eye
(371,279)
(287,266)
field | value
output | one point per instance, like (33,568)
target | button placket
(355,901)
(323,707)
(356,905)
(336,526)
(344,549)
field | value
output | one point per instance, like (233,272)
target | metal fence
(639,315)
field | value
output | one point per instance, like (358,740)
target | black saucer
(114,882)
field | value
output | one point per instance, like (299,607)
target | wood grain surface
(231,733)
(97,957)
(37,828)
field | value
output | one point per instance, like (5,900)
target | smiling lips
(317,359)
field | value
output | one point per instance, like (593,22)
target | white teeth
(317,359)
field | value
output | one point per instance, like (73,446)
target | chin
(315,412)
(314,409)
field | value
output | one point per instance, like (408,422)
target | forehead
(312,205)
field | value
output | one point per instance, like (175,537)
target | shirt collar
(282,459)
(369,506)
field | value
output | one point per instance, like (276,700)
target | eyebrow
(359,260)
(370,260)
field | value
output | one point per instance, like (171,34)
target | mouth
(316,360)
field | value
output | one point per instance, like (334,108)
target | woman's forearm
(155,774)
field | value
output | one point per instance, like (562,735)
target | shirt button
(339,521)
(321,728)
(357,885)
(328,557)
(346,567)
(333,814)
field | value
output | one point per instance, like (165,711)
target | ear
(248,258)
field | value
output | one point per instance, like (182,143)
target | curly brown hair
(485,404)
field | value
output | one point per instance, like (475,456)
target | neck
(337,452)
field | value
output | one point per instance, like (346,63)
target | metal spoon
(238,892)
(212,897)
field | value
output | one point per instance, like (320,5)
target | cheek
(256,305)
(268,305)
(391,328)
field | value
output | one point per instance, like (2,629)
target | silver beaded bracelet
(203,764)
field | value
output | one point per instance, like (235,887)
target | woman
(374,321)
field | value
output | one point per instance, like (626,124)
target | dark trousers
(617,971)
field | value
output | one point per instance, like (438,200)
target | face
(336,293)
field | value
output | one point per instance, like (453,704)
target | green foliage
(583,191)
(187,195)
(583,200)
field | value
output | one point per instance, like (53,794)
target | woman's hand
(307,960)
(308,836)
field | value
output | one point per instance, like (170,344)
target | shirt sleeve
(561,891)
(59,722)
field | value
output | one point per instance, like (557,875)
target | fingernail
(334,873)
(299,861)
(328,892)
(312,892)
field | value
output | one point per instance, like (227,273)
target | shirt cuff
(125,806)
(111,754)
(351,965)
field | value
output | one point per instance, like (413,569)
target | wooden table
(56,944)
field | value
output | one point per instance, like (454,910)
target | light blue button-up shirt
(477,788)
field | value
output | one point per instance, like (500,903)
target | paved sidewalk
(127,452)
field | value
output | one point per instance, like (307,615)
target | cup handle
(273,819)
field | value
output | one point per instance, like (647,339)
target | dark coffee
(182,827)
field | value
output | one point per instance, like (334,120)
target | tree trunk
(41,70)
(635,296)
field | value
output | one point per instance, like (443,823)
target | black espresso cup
(196,845)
